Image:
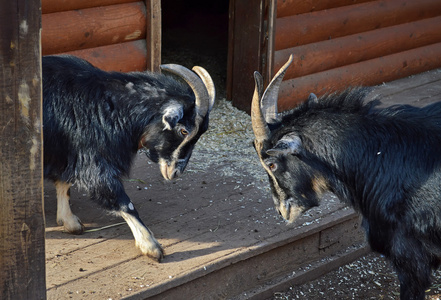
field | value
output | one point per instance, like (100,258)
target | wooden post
(22,256)
(153,34)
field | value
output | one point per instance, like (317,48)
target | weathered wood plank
(93,27)
(418,90)
(209,247)
(330,54)
(22,249)
(328,24)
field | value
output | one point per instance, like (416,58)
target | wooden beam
(288,8)
(329,24)
(123,57)
(22,256)
(330,54)
(93,27)
(367,73)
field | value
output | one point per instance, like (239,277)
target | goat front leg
(113,197)
(65,216)
(144,238)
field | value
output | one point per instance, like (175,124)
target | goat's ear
(288,144)
(172,113)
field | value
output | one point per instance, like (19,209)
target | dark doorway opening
(195,32)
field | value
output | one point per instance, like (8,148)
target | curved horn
(196,84)
(260,128)
(269,99)
(209,84)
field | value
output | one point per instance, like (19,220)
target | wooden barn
(224,252)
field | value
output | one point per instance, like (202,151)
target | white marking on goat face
(131,207)
(172,113)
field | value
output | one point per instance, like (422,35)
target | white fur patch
(130,86)
(172,110)
(131,207)
(64,214)
(152,90)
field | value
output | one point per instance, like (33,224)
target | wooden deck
(221,235)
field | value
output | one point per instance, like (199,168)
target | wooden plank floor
(220,232)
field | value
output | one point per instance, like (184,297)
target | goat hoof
(77,230)
(73,226)
(154,251)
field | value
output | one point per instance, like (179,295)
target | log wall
(115,35)
(342,43)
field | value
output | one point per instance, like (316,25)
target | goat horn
(269,99)
(260,127)
(209,84)
(196,84)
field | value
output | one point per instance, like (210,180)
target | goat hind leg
(414,271)
(65,216)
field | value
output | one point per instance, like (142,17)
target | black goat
(385,163)
(96,121)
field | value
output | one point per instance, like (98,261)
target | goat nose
(174,174)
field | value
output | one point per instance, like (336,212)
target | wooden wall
(119,35)
(341,43)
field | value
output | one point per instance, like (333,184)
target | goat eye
(272,166)
(183,132)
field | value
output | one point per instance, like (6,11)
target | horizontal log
(328,24)
(366,73)
(92,27)
(331,54)
(287,8)
(51,6)
(125,57)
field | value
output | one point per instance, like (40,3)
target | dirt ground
(369,277)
